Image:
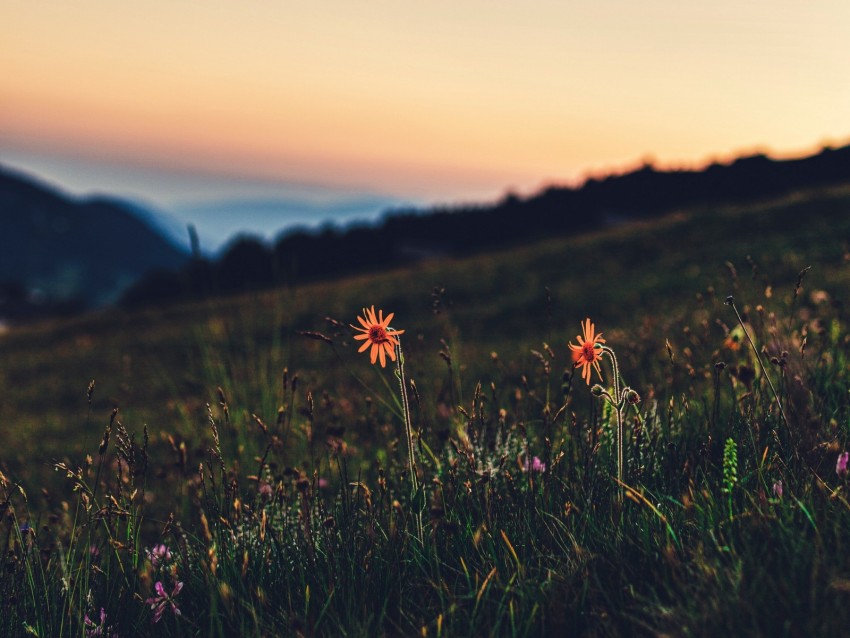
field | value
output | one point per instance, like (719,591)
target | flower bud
(632,397)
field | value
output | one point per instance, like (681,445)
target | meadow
(235,467)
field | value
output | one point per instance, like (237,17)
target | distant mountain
(65,254)
(220,222)
(406,236)
(59,253)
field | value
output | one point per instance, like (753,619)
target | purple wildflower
(777,489)
(99,630)
(158,555)
(162,601)
(841,464)
(266,491)
(535,465)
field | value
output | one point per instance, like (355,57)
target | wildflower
(378,335)
(730,466)
(98,630)
(734,339)
(535,465)
(588,351)
(841,464)
(158,555)
(266,491)
(777,489)
(162,601)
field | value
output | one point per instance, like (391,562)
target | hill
(162,363)
(405,237)
(63,254)
(265,462)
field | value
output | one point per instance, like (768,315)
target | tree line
(405,236)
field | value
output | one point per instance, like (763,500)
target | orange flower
(378,335)
(588,351)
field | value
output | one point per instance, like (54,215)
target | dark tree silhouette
(406,236)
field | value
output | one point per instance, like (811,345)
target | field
(239,462)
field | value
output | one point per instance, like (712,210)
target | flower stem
(408,431)
(730,301)
(618,407)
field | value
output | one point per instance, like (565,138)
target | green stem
(405,404)
(616,369)
(618,406)
(408,430)
(366,386)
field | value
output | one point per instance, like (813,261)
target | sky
(184,104)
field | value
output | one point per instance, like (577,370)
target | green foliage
(730,466)
(730,471)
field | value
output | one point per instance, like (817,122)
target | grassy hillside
(647,281)
(304,407)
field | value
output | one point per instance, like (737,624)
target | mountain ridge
(409,235)
(60,254)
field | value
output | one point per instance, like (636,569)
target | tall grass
(285,508)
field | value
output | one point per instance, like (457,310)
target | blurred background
(190,126)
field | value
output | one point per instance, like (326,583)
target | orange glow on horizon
(420,99)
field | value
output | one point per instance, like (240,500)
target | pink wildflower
(777,489)
(158,555)
(841,464)
(162,601)
(535,465)
(98,630)
(266,491)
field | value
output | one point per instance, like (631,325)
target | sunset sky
(433,101)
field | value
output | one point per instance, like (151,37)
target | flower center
(377,334)
(588,352)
